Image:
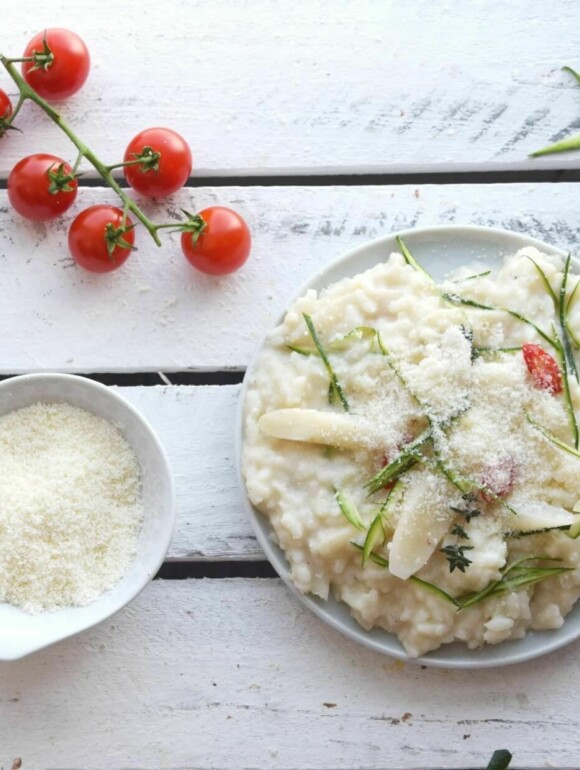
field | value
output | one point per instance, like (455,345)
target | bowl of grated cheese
(87,508)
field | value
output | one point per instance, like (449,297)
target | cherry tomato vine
(157,162)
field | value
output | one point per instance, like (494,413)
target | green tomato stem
(26,92)
(19,103)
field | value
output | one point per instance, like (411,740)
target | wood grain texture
(196,428)
(158,313)
(232,674)
(315,86)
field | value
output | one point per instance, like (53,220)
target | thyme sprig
(467,512)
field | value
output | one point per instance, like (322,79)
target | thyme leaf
(456,557)
(467,513)
(337,391)
(460,532)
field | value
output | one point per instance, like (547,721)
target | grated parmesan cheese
(70,507)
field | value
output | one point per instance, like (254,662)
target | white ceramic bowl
(21,633)
(440,250)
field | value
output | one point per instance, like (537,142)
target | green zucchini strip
(546,282)
(376,533)
(572,72)
(431,587)
(359,334)
(336,389)
(349,510)
(564,145)
(406,458)
(410,260)
(491,351)
(302,350)
(472,277)
(563,318)
(571,298)
(554,439)
(514,577)
(567,394)
(457,300)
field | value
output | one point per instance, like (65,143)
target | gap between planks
(347,177)
(153,378)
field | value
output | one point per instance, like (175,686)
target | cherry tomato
(5,105)
(545,371)
(98,241)
(166,163)
(5,111)
(64,74)
(41,187)
(498,476)
(221,245)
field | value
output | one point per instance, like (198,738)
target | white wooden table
(282,102)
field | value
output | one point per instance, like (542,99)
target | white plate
(440,250)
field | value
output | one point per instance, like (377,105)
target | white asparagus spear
(537,515)
(330,428)
(420,529)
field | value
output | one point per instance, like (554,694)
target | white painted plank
(315,85)
(196,428)
(158,313)
(234,674)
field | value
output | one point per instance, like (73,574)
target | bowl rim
(276,556)
(78,381)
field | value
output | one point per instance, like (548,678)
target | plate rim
(276,556)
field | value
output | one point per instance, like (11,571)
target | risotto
(414,446)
